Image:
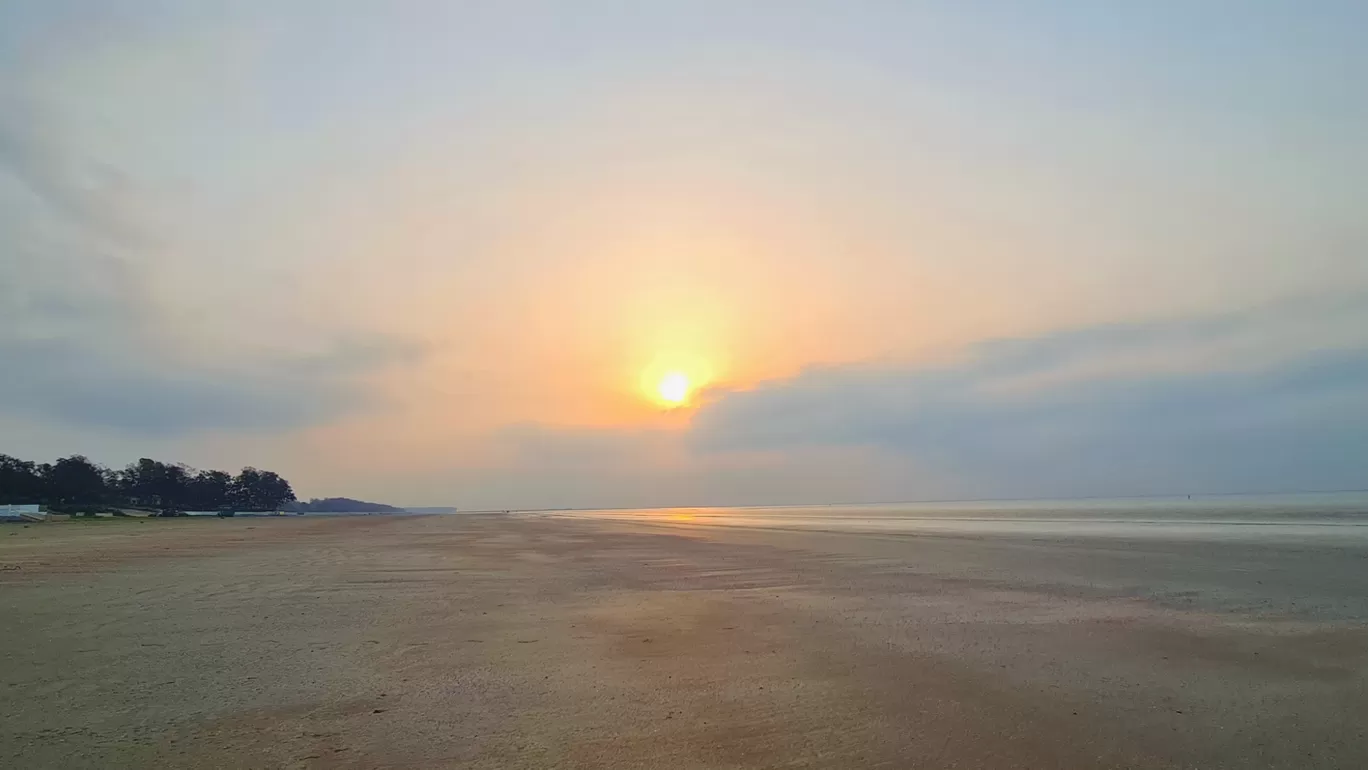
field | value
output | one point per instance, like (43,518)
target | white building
(25,512)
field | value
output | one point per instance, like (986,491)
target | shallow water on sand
(1321,518)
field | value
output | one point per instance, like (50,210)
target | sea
(1322,518)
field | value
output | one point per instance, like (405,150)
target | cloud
(160,395)
(1136,408)
(1264,399)
(91,195)
(547,447)
(85,342)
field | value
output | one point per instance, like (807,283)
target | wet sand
(538,642)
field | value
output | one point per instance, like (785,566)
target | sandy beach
(524,641)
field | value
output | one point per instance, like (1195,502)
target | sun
(673,388)
(673,380)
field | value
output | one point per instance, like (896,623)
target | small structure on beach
(22,512)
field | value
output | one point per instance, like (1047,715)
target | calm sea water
(1338,517)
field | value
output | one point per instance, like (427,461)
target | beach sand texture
(537,642)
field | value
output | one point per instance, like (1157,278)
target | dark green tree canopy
(257,490)
(20,481)
(75,481)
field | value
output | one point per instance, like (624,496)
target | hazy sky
(441,252)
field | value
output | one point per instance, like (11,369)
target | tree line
(340,505)
(76,484)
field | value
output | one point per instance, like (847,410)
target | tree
(155,484)
(138,481)
(210,491)
(19,481)
(73,480)
(257,490)
(171,488)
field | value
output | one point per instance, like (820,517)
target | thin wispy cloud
(86,343)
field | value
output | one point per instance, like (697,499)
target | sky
(444,253)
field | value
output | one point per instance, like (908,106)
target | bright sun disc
(674,388)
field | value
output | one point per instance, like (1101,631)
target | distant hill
(340,505)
